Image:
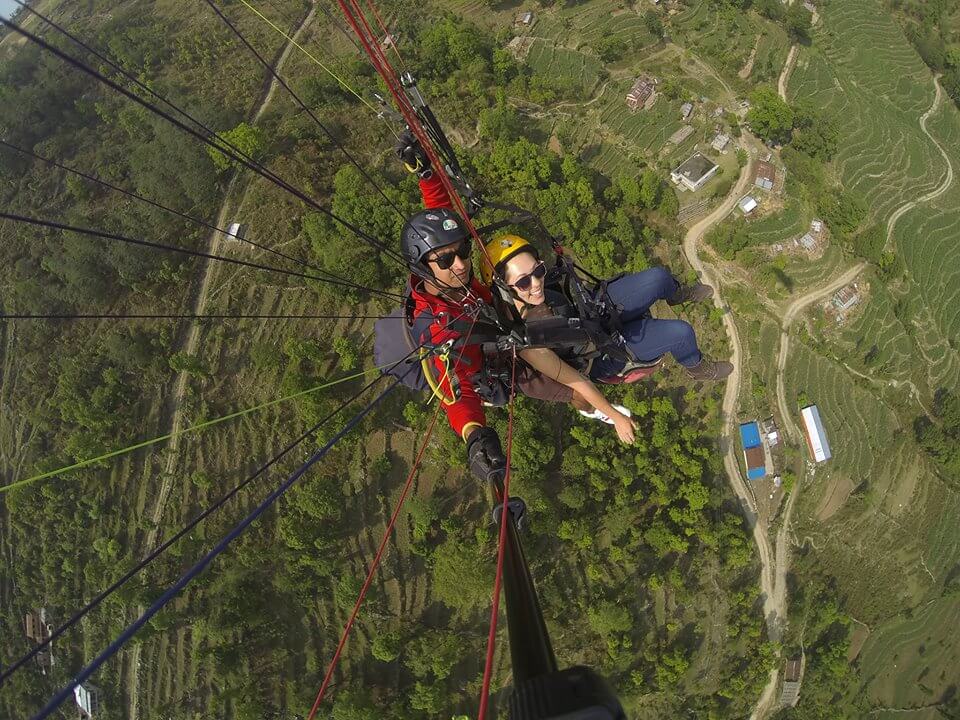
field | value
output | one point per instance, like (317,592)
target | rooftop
(766,171)
(816,435)
(695,167)
(750,434)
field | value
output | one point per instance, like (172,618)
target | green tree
(461,576)
(813,133)
(611,48)
(869,243)
(769,116)
(653,23)
(798,23)
(609,618)
(347,352)
(770,9)
(386,646)
(248,139)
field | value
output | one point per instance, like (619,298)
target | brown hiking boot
(710,370)
(691,293)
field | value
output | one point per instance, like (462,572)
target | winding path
(214,246)
(947,180)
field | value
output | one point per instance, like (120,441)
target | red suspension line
(498,578)
(373,567)
(356,18)
(386,33)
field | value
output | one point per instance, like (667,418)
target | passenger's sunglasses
(524,281)
(462,251)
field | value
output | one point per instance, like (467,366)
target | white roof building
(694,172)
(685,110)
(720,142)
(816,435)
(236,231)
(88,699)
(747,205)
(816,226)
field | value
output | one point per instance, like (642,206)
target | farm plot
(726,36)
(876,98)
(911,661)
(574,67)
(587,23)
(860,428)
(875,341)
(649,129)
(781,227)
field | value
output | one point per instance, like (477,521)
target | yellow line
(307,53)
(199,426)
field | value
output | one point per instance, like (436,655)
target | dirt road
(775,603)
(785,73)
(730,397)
(215,247)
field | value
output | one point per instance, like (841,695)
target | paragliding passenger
(518,264)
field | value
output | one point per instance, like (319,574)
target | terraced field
(645,129)
(864,74)
(580,24)
(807,273)
(576,68)
(780,227)
(859,427)
(875,341)
(931,656)
(928,238)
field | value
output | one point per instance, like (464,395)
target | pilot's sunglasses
(463,250)
(539,272)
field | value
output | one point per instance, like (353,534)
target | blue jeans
(648,338)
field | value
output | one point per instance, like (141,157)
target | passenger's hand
(626,428)
(410,152)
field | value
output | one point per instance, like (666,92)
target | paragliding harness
(592,319)
(402,341)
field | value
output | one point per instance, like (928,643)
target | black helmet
(428,230)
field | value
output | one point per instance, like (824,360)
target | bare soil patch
(857,640)
(837,491)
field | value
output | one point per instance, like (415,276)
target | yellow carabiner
(431,381)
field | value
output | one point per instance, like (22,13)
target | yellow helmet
(498,251)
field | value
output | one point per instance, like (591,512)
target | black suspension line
(184,251)
(155,204)
(161,549)
(251,165)
(174,316)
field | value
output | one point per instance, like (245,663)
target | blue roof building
(752,450)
